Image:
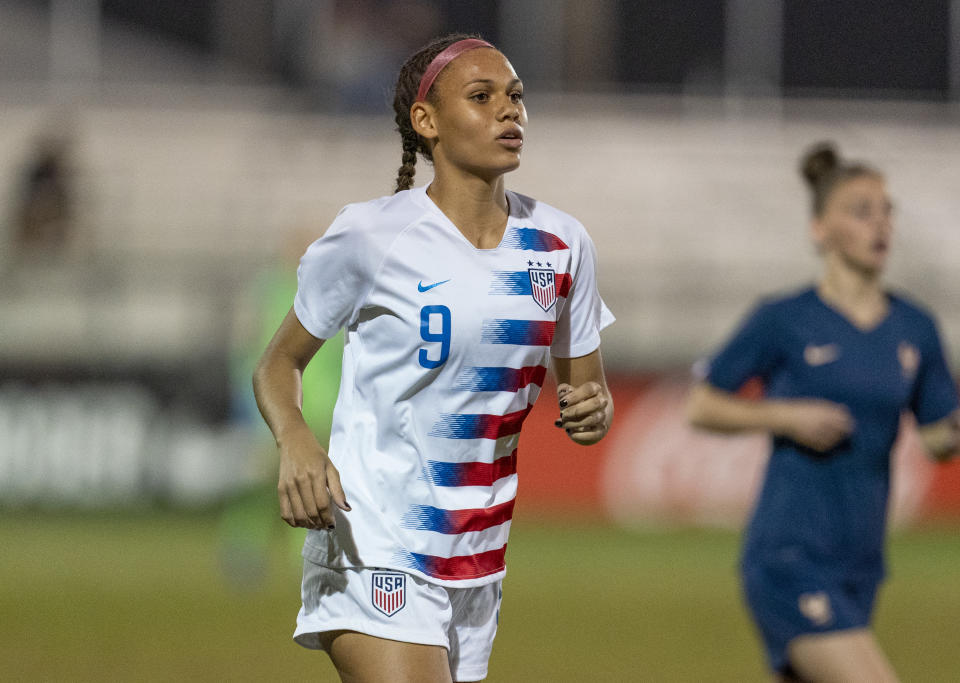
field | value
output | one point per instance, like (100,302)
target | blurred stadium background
(163,163)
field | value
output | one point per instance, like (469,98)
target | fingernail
(557,423)
(570,431)
(563,403)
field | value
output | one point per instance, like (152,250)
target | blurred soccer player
(840,361)
(454,298)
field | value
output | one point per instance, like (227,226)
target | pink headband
(450,53)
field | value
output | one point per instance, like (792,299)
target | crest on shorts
(909,357)
(816,607)
(543,286)
(389,592)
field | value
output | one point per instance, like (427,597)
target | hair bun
(820,161)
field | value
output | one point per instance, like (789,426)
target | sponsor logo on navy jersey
(543,286)
(389,592)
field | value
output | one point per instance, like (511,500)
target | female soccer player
(454,298)
(840,361)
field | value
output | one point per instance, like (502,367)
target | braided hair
(405,93)
(824,170)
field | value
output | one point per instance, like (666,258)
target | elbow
(259,375)
(941,440)
(940,450)
(943,456)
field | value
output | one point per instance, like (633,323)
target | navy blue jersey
(829,509)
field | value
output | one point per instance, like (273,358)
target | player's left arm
(586,407)
(942,438)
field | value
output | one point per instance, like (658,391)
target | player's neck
(476,207)
(858,295)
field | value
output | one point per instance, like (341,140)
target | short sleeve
(335,276)
(751,352)
(584,314)
(935,392)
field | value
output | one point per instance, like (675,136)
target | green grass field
(143,597)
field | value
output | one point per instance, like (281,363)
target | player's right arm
(813,423)
(309,484)
(755,351)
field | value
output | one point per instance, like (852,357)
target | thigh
(840,656)
(361,658)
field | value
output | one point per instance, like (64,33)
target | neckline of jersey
(426,200)
(846,319)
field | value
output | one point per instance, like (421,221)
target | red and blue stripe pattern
(453,568)
(429,518)
(533,239)
(517,283)
(467,426)
(499,379)
(521,332)
(471,473)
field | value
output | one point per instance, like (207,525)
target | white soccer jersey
(446,349)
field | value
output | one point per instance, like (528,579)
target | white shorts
(398,606)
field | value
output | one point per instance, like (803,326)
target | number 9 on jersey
(429,314)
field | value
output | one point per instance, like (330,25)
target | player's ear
(423,120)
(818,233)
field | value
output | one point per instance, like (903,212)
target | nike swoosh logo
(424,288)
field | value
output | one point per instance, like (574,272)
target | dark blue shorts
(787,602)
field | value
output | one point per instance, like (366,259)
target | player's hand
(309,483)
(817,424)
(941,439)
(583,412)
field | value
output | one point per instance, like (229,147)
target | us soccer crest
(389,592)
(543,286)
